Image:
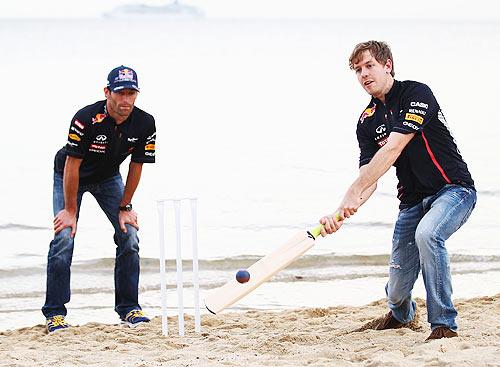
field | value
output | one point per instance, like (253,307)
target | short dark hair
(379,50)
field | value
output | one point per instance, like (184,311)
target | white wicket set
(177,206)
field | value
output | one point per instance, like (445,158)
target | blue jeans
(419,243)
(108,194)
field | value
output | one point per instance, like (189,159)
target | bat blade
(220,298)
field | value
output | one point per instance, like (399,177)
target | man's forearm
(133,178)
(70,181)
(365,195)
(380,163)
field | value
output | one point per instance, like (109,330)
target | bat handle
(315,232)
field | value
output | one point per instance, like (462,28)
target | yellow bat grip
(317,230)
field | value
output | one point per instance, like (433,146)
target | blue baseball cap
(122,77)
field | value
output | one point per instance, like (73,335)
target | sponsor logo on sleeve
(409,124)
(367,113)
(132,140)
(413,117)
(74,137)
(76,130)
(151,138)
(71,144)
(151,154)
(149,147)
(419,112)
(79,124)
(98,118)
(419,104)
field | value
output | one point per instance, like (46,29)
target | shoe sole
(443,337)
(130,325)
(57,330)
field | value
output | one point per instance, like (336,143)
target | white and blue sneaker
(55,323)
(135,318)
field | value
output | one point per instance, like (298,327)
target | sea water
(255,118)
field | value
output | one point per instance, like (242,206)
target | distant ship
(174,10)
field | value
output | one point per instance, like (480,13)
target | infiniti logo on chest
(101,137)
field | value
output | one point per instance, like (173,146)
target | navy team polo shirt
(431,159)
(103,145)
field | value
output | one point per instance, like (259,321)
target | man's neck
(118,119)
(386,90)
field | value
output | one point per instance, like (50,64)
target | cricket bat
(220,298)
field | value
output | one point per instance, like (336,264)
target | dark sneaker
(389,322)
(135,318)
(441,332)
(55,323)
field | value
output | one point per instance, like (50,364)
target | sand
(335,336)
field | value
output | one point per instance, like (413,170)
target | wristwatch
(126,208)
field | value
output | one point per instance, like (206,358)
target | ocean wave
(241,261)
(30,309)
(285,276)
(488,193)
(318,261)
(21,227)
(249,227)
(229,264)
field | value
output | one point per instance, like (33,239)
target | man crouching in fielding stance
(101,137)
(403,126)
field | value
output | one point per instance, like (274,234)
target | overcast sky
(423,9)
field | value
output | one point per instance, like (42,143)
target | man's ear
(388,66)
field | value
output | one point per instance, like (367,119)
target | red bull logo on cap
(125,75)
